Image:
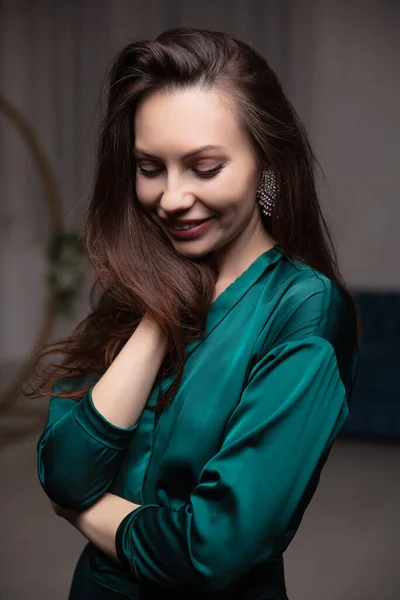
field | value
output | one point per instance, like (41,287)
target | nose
(175,197)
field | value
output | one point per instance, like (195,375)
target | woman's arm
(122,392)
(99,523)
(84,443)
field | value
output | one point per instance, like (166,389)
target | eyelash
(204,174)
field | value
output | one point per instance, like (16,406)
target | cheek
(233,191)
(244,181)
(146,191)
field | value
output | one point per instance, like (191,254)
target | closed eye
(204,174)
(210,172)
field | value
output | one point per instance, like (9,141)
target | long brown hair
(137,270)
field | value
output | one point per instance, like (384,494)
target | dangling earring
(267,191)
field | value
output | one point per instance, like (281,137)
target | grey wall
(355,126)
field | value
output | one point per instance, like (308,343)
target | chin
(190,251)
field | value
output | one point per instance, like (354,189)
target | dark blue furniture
(375,403)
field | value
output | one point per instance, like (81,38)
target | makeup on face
(194,163)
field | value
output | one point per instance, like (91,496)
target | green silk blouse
(226,472)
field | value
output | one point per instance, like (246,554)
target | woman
(197,403)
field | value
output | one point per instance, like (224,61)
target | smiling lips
(188,229)
(184,221)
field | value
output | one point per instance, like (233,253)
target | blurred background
(338,63)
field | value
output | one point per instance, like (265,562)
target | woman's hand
(65,513)
(99,522)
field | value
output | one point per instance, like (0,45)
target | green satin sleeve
(79,451)
(289,413)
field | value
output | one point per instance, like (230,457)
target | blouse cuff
(93,422)
(124,539)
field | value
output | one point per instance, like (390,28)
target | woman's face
(195,163)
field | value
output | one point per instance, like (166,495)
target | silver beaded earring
(267,191)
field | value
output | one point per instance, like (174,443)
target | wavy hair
(137,270)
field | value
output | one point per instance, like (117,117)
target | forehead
(184,119)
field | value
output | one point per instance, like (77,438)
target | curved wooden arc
(53,203)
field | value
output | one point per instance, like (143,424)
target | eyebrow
(187,155)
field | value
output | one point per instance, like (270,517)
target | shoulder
(307,309)
(308,303)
